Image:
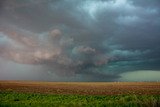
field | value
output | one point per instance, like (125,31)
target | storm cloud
(73,40)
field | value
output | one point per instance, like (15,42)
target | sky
(80,40)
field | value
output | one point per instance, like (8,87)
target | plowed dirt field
(82,88)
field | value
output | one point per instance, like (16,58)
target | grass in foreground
(13,99)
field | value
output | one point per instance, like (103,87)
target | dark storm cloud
(97,39)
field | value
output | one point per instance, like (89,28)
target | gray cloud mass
(78,40)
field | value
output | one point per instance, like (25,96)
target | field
(79,94)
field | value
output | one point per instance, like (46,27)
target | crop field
(79,94)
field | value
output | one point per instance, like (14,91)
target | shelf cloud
(60,40)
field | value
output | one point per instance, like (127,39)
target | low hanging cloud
(80,40)
(25,47)
(83,50)
(50,50)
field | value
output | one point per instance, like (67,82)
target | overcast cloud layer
(79,40)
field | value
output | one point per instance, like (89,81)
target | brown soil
(82,88)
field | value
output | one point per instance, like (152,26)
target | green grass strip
(13,99)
